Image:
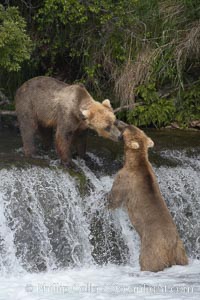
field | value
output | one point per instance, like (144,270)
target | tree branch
(4,99)
(127,107)
(172,90)
(7,113)
(4,102)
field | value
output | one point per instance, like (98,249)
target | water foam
(47,224)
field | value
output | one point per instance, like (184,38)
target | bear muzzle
(115,134)
(112,133)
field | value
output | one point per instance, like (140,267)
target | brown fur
(46,103)
(136,187)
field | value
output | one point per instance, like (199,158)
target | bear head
(100,117)
(136,139)
(133,137)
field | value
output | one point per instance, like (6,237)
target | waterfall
(48,222)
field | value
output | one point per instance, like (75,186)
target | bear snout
(115,134)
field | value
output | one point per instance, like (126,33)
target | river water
(59,241)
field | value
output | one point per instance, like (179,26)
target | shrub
(15,44)
(154,110)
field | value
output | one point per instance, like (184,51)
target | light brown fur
(136,187)
(44,102)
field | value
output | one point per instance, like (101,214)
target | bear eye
(107,128)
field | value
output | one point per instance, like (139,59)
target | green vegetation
(158,111)
(154,110)
(15,44)
(135,52)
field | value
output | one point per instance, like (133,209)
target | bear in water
(136,187)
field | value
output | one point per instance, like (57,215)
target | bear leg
(63,146)
(80,142)
(118,193)
(150,263)
(155,257)
(28,128)
(181,257)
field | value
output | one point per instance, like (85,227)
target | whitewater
(58,241)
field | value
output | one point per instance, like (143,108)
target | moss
(80,177)
(12,160)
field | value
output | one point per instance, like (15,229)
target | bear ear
(134,145)
(106,103)
(85,114)
(150,143)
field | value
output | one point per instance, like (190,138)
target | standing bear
(136,187)
(44,103)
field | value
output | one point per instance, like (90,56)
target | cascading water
(46,223)
(181,189)
(50,220)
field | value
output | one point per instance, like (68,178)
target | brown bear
(43,103)
(136,187)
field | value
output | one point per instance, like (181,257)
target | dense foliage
(145,52)
(15,44)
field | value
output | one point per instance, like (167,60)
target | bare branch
(195,124)
(4,99)
(127,107)
(7,113)
(4,102)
